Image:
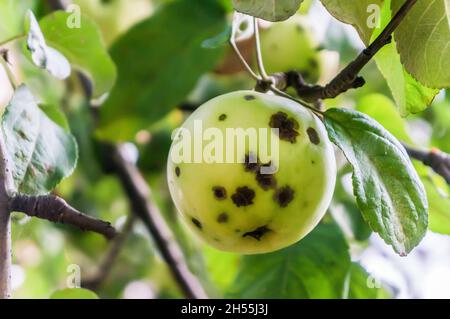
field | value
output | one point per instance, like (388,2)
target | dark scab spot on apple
(284,195)
(177,171)
(251,163)
(258,233)
(313,136)
(288,127)
(222,117)
(266,181)
(219,192)
(249,97)
(197,223)
(223,218)
(243,196)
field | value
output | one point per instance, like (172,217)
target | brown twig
(5,224)
(143,207)
(436,159)
(139,195)
(348,78)
(55,209)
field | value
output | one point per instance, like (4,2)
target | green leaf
(56,115)
(83,46)
(42,55)
(159,62)
(271,10)
(356,13)
(438,192)
(219,40)
(423,41)
(388,190)
(41,153)
(10,25)
(364,286)
(74,293)
(383,110)
(410,96)
(315,267)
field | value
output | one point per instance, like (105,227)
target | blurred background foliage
(333,262)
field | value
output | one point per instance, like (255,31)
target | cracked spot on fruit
(223,218)
(219,192)
(313,136)
(177,171)
(251,163)
(222,117)
(258,233)
(288,127)
(284,195)
(197,223)
(249,97)
(243,196)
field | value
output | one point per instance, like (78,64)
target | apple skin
(232,206)
(289,46)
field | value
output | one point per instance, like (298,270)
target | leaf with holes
(40,152)
(315,267)
(388,189)
(423,41)
(44,56)
(271,10)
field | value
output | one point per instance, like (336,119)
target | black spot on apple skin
(258,233)
(177,171)
(220,192)
(222,117)
(251,163)
(222,218)
(197,223)
(243,196)
(283,196)
(288,127)
(249,97)
(313,136)
(266,181)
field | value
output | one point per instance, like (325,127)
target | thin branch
(139,195)
(348,78)
(436,159)
(55,209)
(5,224)
(259,58)
(111,256)
(143,207)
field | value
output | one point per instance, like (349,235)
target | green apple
(289,46)
(235,205)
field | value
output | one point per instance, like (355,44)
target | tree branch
(348,78)
(6,186)
(143,207)
(139,195)
(55,209)
(436,159)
